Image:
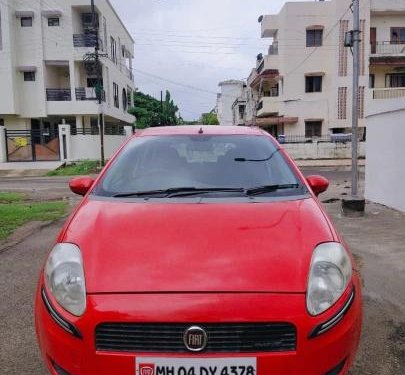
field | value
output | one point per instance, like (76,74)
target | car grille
(222,338)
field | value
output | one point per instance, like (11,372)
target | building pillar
(65,143)
(3,148)
(72,73)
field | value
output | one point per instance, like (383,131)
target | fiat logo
(195,339)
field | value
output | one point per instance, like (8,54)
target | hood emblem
(195,339)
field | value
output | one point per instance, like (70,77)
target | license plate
(190,366)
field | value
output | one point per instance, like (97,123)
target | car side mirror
(81,185)
(318,184)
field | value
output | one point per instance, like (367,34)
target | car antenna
(201,131)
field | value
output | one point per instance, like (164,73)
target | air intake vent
(222,338)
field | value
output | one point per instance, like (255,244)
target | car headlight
(64,278)
(330,274)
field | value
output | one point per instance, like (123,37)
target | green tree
(210,118)
(151,112)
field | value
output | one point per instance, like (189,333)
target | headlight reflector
(330,274)
(64,277)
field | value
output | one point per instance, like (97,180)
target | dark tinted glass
(53,21)
(26,21)
(164,162)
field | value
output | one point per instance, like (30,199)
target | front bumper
(312,356)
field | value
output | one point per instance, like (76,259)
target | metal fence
(333,138)
(58,95)
(109,129)
(388,48)
(86,40)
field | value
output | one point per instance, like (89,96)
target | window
(313,129)
(105,34)
(395,80)
(371,81)
(29,76)
(314,37)
(93,82)
(113,50)
(129,95)
(242,109)
(313,84)
(164,162)
(1,121)
(397,35)
(124,100)
(54,21)
(116,98)
(26,21)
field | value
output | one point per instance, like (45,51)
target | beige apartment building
(46,75)
(302,87)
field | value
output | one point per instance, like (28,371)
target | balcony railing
(390,93)
(58,95)
(388,48)
(333,138)
(88,93)
(86,40)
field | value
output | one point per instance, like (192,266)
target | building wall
(385,172)
(230,91)
(41,46)
(295,60)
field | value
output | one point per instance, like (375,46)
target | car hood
(130,247)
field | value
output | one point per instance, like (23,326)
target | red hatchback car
(199,251)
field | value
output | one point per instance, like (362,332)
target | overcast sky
(196,43)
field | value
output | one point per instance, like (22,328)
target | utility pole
(99,88)
(355,205)
(355,106)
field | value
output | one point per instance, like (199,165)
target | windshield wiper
(178,192)
(270,189)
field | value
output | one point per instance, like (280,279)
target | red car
(199,251)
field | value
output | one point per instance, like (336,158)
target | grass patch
(14,214)
(77,169)
(6,197)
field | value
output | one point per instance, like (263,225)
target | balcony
(269,26)
(268,106)
(388,48)
(268,62)
(383,53)
(58,95)
(88,40)
(88,93)
(389,93)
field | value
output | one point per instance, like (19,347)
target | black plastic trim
(67,326)
(338,369)
(328,325)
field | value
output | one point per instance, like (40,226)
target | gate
(32,145)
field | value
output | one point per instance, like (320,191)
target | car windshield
(168,166)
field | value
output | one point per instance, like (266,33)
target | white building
(385,111)
(303,85)
(230,91)
(45,80)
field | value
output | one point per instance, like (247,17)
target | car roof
(196,129)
